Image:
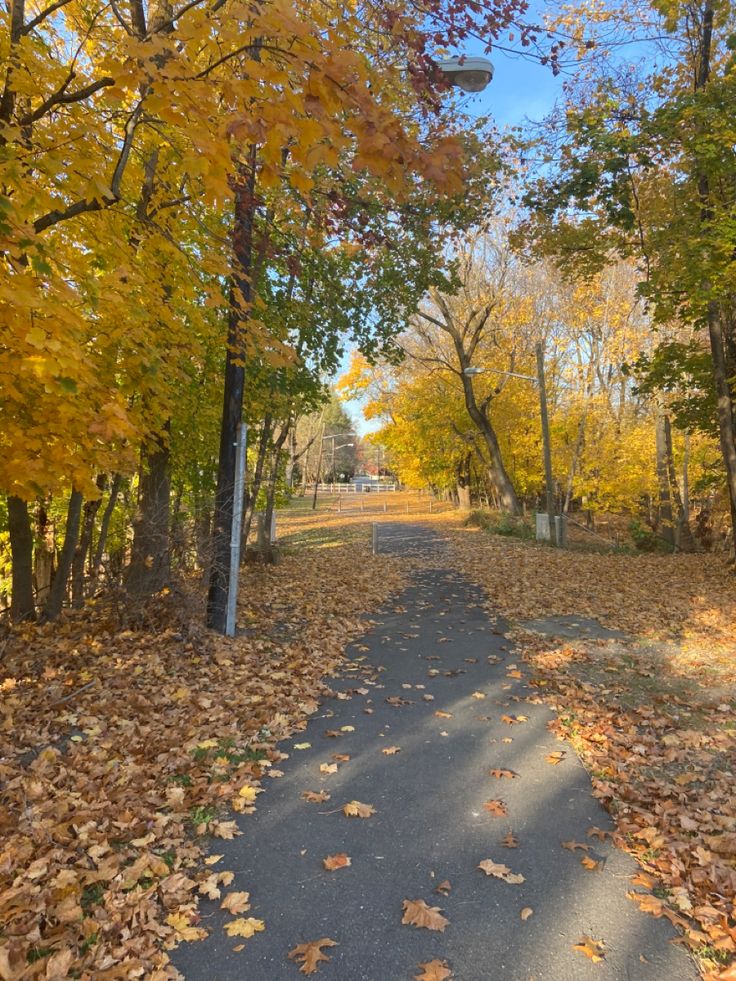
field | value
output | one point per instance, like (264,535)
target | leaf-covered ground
(652,714)
(125,749)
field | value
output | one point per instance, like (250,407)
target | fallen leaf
(526,913)
(226,829)
(590,864)
(556,757)
(510,840)
(185,929)
(500,774)
(391,750)
(572,846)
(302,745)
(310,954)
(500,872)
(236,902)
(434,971)
(478,694)
(443,888)
(443,715)
(598,833)
(418,914)
(328,768)
(591,948)
(496,807)
(244,927)
(355,809)
(315,796)
(334,862)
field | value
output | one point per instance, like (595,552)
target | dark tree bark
(66,557)
(665,524)
(150,559)
(79,561)
(22,606)
(94,569)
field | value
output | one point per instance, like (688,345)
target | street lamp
(546,445)
(471,74)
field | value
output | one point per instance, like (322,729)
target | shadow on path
(430,823)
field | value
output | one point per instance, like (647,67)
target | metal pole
(375,537)
(232,592)
(319,467)
(549,486)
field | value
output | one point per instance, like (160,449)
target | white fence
(353,488)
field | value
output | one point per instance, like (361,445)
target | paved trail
(430,823)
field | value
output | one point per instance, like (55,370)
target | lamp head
(469,74)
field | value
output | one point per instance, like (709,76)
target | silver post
(232,593)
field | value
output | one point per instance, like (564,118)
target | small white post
(375,537)
(384,507)
(339,504)
(237,528)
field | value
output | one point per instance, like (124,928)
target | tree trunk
(665,524)
(497,471)
(462,474)
(71,535)
(273,478)
(85,540)
(251,498)
(94,569)
(150,560)
(22,606)
(684,540)
(44,555)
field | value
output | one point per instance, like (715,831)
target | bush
(500,524)
(644,538)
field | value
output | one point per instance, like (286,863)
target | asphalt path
(434,649)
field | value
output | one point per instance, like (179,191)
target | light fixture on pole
(471,74)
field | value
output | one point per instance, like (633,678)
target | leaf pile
(120,746)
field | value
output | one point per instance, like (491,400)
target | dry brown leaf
(557,757)
(334,862)
(391,750)
(500,871)
(478,694)
(593,949)
(310,954)
(236,902)
(418,914)
(501,774)
(573,846)
(443,715)
(443,888)
(354,808)
(526,913)
(510,840)
(496,807)
(590,864)
(328,768)
(434,971)
(315,796)
(598,833)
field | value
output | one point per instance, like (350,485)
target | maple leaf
(244,927)
(593,949)
(310,954)
(315,796)
(590,864)
(355,809)
(500,774)
(500,872)
(328,768)
(185,929)
(236,902)
(496,807)
(647,902)
(334,862)
(434,971)
(556,757)
(418,914)
(226,829)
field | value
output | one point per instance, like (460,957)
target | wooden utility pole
(548,483)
